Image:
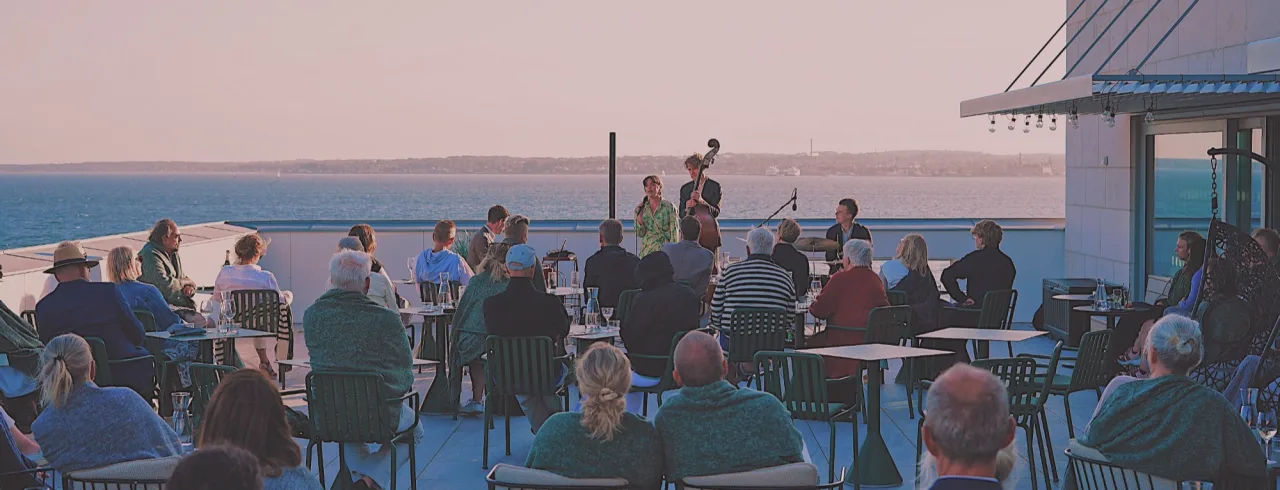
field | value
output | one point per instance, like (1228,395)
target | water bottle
(182,416)
(444,295)
(1100,296)
(593,307)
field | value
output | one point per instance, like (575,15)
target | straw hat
(70,253)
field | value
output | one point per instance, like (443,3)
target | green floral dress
(656,229)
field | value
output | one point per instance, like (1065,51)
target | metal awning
(1093,94)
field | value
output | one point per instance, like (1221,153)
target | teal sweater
(564,447)
(347,331)
(1175,428)
(717,428)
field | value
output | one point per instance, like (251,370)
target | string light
(1074,120)
(1027,127)
(993,124)
(1012,119)
(1053,122)
(1039,121)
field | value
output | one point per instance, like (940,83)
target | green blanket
(19,340)
(1175,428)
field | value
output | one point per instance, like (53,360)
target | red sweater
(847,301)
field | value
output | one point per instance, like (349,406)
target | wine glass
(1267,430)
(608,312)
(412,262)
(572,311)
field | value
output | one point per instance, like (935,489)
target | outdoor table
(583,337)
(306,363)
(1111,314)
(802,316)
(565,291)
(981,337)
(1074,297)
(875,465)
(210,335)
(440,398)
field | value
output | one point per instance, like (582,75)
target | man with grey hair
(613,268)
(347,331)
(968,424)
(755,283)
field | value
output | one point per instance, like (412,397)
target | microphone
(794,195)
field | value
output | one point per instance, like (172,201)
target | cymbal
(815,244)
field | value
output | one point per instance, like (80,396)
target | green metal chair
(667,383)
(997,313)
(427,291)
(30,317)
(352,408)
(519,366)
(752,330)
(885,325)
(797,379)
(261,310)
(1027,405)
(103,374)
(204,380)
(163,364)
(625,300)
(896,297)
(1090,370)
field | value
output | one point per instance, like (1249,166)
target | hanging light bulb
(1074,120)
(993,125)
(1027,127)
(1151,117)
(1039,121)
(1053,123)
(1012,119)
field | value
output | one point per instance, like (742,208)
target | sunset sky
(248,80)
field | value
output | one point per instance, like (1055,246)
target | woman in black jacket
(661,310)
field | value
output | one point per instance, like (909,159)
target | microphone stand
(792,200)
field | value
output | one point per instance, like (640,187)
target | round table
(1074,297)
(1111,314)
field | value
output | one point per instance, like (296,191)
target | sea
(37,209)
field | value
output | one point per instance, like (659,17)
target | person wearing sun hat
(95,309)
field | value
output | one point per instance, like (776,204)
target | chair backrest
(427,291)
(521,366)
(897,297)
(752,330)
(145,474)
(997,309)
(1157,288)
(888,324)
(1091,471)
(98,348)
(668,381)
(507,477)
(794,476)
(1028,400)
(204,380)
(1092,370)
(30,317)
(257,309)
(1018,375)
(349,407)
(147,320)
(797,379)
(625,299)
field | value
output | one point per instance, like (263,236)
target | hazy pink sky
(251,80)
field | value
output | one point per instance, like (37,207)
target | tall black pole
(613,175)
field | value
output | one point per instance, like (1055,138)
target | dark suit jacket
(786,255)
(963,483)
(613,270)
(97,309)
(836,233)
(984,270)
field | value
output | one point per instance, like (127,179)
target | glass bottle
(593,308)
(182,415)
(227,261)
(444,295)
(1100,295)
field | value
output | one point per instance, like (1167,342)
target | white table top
(580,332)
(955,333)
(875,352)
(423,313)
(565,291)
(211,334)
(307,362)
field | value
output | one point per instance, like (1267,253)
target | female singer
(656,222)
(689,195)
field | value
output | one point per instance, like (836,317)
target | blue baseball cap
(521,257)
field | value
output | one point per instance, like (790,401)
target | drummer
(845,229)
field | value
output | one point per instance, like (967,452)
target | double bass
(710,236)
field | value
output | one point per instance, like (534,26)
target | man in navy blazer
(968,424)
(95,309)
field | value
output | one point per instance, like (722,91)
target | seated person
(217,468)
(246,411)
(1211,442)
(846,228)
(909,251)
(663,309)
(1189,249)
(916,279)
(469,332)
(517,233)
(246,274)
(19,341)
(522,311)
(381,289)
(15,447)
(691,262)
(985,269)
(123,270)
(162,268)
(613,268)
(347,331)
(847,301)
(753,283)
(604,440)
(1269,240)
(969,432)
(84,426)
(794,261)
(440,258)
(95,309)
(711,427)
(495,223)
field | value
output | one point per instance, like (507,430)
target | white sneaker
(472,407)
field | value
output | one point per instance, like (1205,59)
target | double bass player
(689,194)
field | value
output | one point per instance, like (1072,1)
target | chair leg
(1066,407)
(909,365)
(1048,442)
(506,418)
(831,455)
(320,456)
(413,465)
(857,484)
(1010,344)
(488,426)
(1031,455)
(1041,431)
(919,439)
(394,470)
(644,405)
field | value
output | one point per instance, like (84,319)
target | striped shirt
(753,283)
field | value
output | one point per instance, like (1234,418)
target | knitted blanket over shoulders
(101,426)
(347,331)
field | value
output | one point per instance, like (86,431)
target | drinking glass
(181,415)
(225,313)
(573,280)
(815,287)
(413,264)
(608,312)
(615,325)
(572,311)
(1267,430)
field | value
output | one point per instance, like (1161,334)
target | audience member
(347,331)
(123,270)
(753,283)
(657,220)
(162,268)
(1269,239)
(247,274)
(95,309)
(20,342)
(84,426)
(968,428)
(711,427)
(14,448)
(663,309)
(441,259)
(246,411)
(692,262)
(613,268)
(604,440)
(217,468)
(469,331)
(522,311)
(1189,249)
(985,269)
(847,301)
(787,257)
(517,233)
(381,289)
(846,228)
(1134,420)
(920,285)
(494,225)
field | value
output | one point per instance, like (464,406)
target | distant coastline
(898,163)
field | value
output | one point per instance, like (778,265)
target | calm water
(46,208)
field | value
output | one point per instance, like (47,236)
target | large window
(1180,193)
